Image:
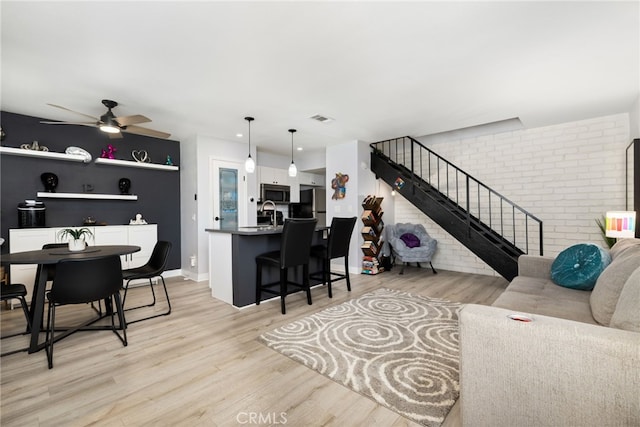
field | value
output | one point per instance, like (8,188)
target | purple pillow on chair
(411,240)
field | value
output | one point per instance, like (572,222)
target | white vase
(76,245)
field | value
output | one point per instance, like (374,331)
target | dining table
(47,259)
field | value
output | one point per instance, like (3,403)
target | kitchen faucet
(273,215)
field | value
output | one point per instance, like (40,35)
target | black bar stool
(295,248)
(337,247)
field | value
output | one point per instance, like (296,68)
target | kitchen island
(232,261)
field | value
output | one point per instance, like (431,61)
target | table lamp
(620,224)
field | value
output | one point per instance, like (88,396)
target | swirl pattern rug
(398,349)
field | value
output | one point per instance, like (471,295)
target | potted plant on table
(76,237)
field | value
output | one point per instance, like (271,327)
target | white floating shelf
(45,195)
(44,154)
(132,164)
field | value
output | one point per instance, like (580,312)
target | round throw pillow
(579,266)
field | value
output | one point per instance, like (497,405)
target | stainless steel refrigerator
(312,205)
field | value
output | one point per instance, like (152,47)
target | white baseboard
(192,276)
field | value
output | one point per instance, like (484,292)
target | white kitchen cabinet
(273,176)
(144,236)
(29,239)
(306,178)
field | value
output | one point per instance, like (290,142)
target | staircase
(495,229)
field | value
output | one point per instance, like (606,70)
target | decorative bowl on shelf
(79,152)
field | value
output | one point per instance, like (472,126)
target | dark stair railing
(494,228)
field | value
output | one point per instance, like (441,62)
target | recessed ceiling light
(321,118)
(299,149)
(239,135)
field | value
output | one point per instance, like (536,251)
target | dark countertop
(257,230)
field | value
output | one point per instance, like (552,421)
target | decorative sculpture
(339,185)
(50,181)
(109,153)
(124,185)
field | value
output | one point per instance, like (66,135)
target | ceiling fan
(112,125)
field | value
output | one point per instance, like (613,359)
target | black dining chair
(295,247)
(80,281)
(16,291)
(51,269)
(337,247)
(153,268)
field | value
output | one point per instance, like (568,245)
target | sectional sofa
(575,363)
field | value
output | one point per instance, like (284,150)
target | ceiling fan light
(293,170)
(108,125)
(109,128)
(249,165)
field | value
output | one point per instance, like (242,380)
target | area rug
(398,349)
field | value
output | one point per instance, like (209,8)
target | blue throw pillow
(411,240)
(579,266)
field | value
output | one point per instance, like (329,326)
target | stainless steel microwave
(275,193)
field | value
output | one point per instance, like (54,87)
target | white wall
(343,158)
(353,159)
(634,119)
(567,175)
(196,154)
(188,206)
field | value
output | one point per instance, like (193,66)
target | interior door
(229,189)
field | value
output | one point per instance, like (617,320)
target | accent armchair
(405,248)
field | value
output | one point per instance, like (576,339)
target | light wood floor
(202,365)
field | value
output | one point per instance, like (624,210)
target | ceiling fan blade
(71,111)
(132,120)
(144,131)
(92,124)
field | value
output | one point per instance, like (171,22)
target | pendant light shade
(293,171)
(249,164)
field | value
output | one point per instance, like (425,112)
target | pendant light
(293,171)
(249,164)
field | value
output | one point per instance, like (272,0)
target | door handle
(218,218)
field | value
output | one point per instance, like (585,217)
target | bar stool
(295,248)
(337,247)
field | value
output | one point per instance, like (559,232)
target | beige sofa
(577,363)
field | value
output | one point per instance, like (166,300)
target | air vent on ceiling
(320,118)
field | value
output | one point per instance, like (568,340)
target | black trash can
(31,215)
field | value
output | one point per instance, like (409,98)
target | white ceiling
(380,69)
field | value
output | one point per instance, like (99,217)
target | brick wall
(567,175)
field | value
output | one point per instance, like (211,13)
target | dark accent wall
(158,191)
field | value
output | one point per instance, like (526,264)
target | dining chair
(16,291)
(80,281)
(337,247)
(51,269)
(295,246)
(153,268)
